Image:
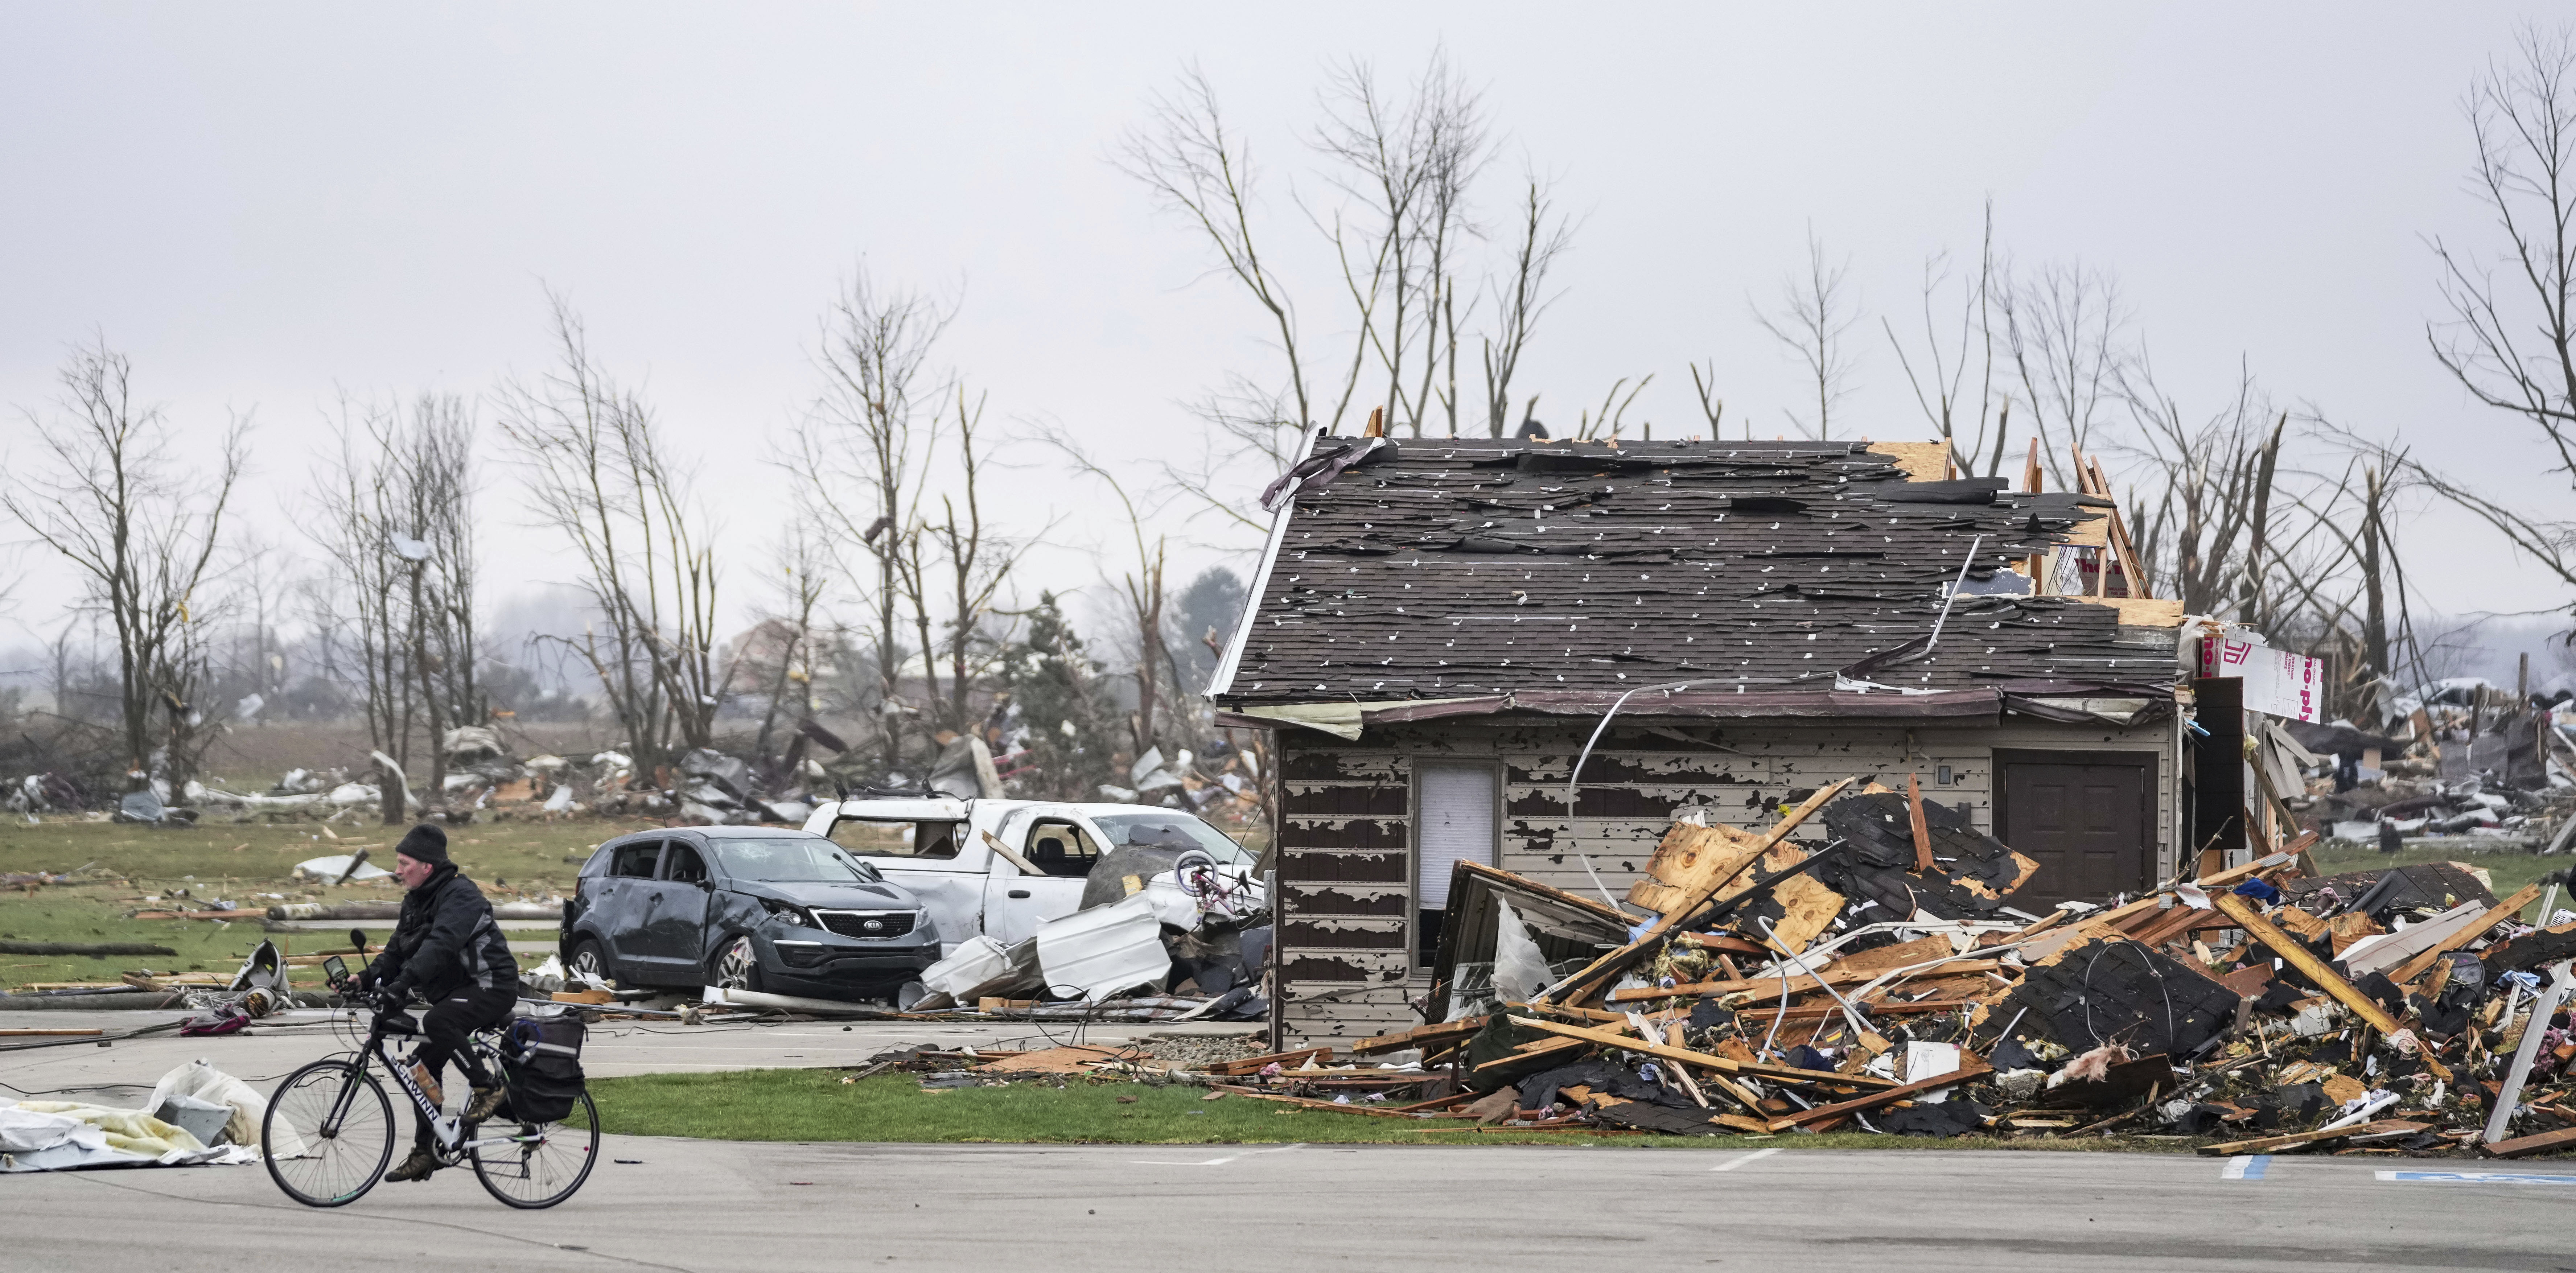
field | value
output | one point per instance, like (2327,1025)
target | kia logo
(873,926)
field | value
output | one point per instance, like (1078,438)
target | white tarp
(2277,682)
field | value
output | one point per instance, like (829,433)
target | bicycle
(333,1116)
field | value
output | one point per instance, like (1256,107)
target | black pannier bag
(542,1060)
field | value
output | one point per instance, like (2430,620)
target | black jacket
(445,941)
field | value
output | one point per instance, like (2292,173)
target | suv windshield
(1171,830)
(790,860)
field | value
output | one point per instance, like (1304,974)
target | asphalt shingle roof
(1469,567)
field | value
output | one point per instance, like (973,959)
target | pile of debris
(2463,760)
(1884,982)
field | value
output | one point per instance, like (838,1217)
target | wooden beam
(1898,1008)
(2266,1144)
(2477,928)
(1923,863)
(1372,1111)
(1574,986)
(2526,1146)
(1970,1066)
(2305,960)
(1799,982)
(1681,1056)
(1420,1037)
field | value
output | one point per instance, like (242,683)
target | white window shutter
(1456,823)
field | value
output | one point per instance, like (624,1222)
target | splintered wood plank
(2267,1144)
(2526,1146)
(1923,863)
(1370,1111)
(1683,1056)
(2477,928)
(2300,957)
(1428,1036)
(1612,961)
(1970,1066)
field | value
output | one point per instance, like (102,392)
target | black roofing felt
(1461,567)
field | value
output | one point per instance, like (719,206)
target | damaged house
(1440,630)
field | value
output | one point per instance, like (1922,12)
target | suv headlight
(790,912)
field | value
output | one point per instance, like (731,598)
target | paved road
(714,1205)
(274,1048)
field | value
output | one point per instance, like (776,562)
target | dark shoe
(484,1101)
(417,1167)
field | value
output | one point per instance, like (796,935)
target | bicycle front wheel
(539,1164)
(329,1133)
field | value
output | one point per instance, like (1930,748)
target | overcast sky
(265,204)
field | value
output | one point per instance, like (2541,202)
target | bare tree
(1141,587)
(2213,485)
(803,576)
(860,455)
(2511,341)
(1416,286)
(1941,387)
(1520,295)
(2512,344)
(598,473)
(1816,311)
(140,525)
(397,524)
(2067,333)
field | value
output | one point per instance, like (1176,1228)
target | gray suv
(744,908)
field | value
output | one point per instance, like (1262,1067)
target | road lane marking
(1215,1162)
(2478,1178)
(1733,1163)
(2245,1167)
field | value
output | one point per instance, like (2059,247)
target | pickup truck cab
(1000,868)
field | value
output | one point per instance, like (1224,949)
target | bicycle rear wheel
(544,1162)
(329,1133)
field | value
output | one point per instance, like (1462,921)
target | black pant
(445,1028)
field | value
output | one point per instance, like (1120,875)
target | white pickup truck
(1000,868)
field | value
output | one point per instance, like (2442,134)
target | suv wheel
(738,966)
(588,964)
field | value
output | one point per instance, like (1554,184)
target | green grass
(238,862)
(2510,871)
(815,1105)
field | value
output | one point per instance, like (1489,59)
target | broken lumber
(83,948)
(1684,1056)
(2522,1147)
(1831,976)
(1970,1066)
(1371,1111)
(2477,928)
(2267,1144)
(1615,960)
(2305,960)
(1426,1037)
(1284,1060)
(1923,863)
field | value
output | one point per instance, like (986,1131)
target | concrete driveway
(710,1205)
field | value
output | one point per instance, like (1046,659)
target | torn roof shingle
(1462,567)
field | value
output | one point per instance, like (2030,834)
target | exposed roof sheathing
(1464,567)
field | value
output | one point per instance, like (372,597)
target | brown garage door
(2087,818)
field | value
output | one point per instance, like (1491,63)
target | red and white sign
(2277,682)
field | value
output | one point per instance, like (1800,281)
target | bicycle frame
(448,1129)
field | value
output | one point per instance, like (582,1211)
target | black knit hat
(424,843)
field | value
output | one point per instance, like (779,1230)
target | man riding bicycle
(448,949)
